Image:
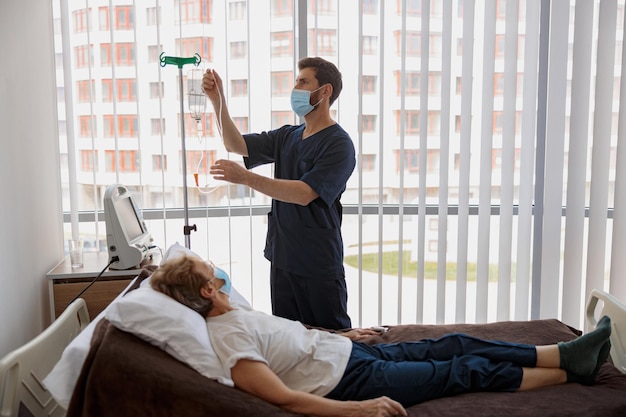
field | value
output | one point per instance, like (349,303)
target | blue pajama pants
(414,372)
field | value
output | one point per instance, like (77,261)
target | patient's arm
(259,380)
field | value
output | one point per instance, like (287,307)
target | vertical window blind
(489,137)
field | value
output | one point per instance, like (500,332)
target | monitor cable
(113,259)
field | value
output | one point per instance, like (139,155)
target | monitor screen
(128,219)
(128,239)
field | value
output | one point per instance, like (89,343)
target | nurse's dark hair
(326,73)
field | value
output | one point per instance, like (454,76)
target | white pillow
(169,325)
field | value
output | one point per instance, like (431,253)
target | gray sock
(591,379)
(579,356)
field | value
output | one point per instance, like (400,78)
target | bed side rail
(601,304)
(22,391)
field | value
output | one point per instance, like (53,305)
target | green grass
(409,269)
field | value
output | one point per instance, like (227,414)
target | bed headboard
(601,304)
(22,391)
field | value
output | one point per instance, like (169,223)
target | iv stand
(180,62)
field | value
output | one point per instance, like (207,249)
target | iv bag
(197,98)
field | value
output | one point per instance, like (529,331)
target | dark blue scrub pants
(316,301)
(414,372)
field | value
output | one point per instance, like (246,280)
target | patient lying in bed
(309,371)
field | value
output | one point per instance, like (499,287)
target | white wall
(31,235)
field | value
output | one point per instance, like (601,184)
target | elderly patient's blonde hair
(181,279)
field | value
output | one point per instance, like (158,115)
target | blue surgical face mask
(301,101)
(221,274)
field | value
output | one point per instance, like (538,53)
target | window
(370,6)
(281,118)
(497,122)
(281,8)
(434,46)
(282,83)
(282,44)
(105,54)
(500,9)
(499,48)
(153,16)
(409,121)
(239,88)
(88,160)
(159,163)
(156,89)
(324,42)
(412,7)
(124,54)
(238,50)
(368,84)
(127,161)
(126,125)
(322,7)
(191,125)
(103,18)
(125,91)
(368,122)
(192,11)
(81,20)
(124,18)
(83,55)
(498,84)
(238,10)
(413,43)
(154,53)
(188,47)
(257,63)
(157,127)
(434,83)
(241,123)
(411,83)
(368,163)
(86,126)
(84,91)
(411,160)
(370,45)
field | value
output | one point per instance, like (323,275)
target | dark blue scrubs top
(306,240)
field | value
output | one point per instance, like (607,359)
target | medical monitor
(127,235)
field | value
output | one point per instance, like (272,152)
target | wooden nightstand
(65,282)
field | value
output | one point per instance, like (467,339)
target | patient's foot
(591,379)
(580,356)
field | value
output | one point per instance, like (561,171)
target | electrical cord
(113,259)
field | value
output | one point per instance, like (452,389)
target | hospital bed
(125,369)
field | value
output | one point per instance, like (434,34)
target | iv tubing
(218,123)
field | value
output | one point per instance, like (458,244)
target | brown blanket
(124,376)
